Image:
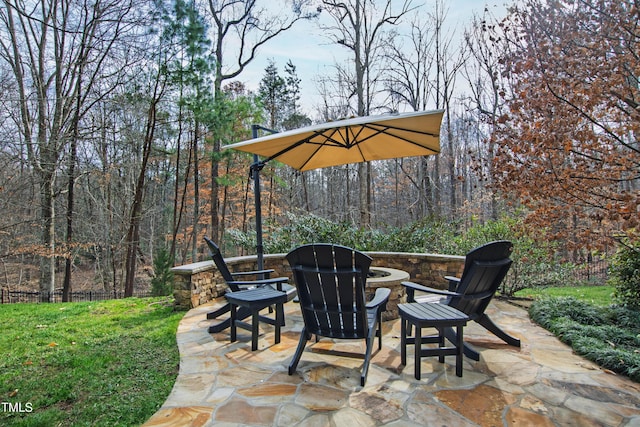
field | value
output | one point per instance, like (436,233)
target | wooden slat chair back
(331,284)
(493,251)
(479,285)
(331,280)
(485,269)
(236,281)
(221,264)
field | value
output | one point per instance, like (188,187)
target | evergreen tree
(293,117)
(273,94)
(162,281)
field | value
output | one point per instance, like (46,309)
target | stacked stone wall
(198,283)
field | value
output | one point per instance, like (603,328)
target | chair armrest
(412,287)
(250,273)
(381,297)
(274,281)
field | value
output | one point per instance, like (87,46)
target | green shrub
(427,235)
(162,281)
(546,311)
(480,233)
(623,317)
(608,336)
(533,265)
(624,274)
(608,356)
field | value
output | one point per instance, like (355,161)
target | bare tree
(240,29)
(484,77)
(56,52)
(359,26)
(408,81)
(409,67)
(448,61)
(133,234)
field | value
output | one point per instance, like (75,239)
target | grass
(596,295)
(108,363)
(606,335)
(586,318)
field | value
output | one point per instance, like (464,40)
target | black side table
(432,315)
(255,300)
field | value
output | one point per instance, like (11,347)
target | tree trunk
(451,167)
(133,235)
(178,201)
(66,286)
(73,156)
(196,193)
(48,260)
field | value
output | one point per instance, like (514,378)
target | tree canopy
(568,141)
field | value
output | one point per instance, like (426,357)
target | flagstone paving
(541,384)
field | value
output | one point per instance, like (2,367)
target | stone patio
(541,384)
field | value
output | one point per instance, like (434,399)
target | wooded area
(113,115)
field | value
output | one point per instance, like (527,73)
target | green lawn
(103,363)
(597,295)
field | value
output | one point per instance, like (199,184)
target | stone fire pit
(382,277)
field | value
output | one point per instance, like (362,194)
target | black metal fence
(12,297)
(595,270)
(533,275)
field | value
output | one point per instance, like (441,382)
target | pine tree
(273,94)
(162,281)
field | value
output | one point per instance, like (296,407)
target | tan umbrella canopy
(356,140)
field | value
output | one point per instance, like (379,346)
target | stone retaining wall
(199,283)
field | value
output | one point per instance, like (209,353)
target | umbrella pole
(256,167)
(255,172)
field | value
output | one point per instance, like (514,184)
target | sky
(313,54)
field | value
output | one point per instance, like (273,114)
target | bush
(533,265)
(623,317)
(547,311)
(608,336)
(428,235)
(624,274)
(162,281)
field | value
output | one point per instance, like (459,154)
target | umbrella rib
(287,149)
(359,142)
(344,132)
(383,128)
(307,140)
(386,127)
(330,138)
(319,145)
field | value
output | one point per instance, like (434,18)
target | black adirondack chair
(331,281)
(484,270)
(235,284)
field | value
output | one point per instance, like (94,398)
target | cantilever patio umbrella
(356,140)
